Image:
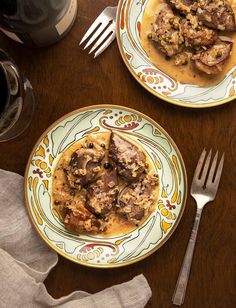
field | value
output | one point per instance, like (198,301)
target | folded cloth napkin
(25,262)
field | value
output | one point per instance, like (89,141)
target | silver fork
(103,30)
(203,190)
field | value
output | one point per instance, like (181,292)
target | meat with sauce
(83,222)
(85,163)
(75,216)
(216,14)
(62,190)
(186,27)
(86,206)
(129,160)
(195,34)
(136,200)
(166,32)
(185,6)
(102,195)
(211,60)
(181,58)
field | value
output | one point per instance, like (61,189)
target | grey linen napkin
(25,262)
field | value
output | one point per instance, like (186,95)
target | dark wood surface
(65,78)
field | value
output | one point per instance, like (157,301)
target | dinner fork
(102,32)
(203,190)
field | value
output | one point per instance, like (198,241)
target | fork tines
(102,32)
(202,170)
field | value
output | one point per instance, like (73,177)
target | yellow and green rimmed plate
(129,23)
(99,251)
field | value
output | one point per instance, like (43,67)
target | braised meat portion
(87,181)
(195,34)
(85,164)
(77,218)
(181,58)
(136,200)
(185,6)
(83,222)
(62,191)
(166,32)
(129,160)
(211,60)
(192,27)
(102,195)
(216,14)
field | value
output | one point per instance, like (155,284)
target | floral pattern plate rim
(129,23)
(98,251)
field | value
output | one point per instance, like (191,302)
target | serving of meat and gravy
(191,40)
(104,183)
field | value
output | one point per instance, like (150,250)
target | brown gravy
(116,225)
(186,74)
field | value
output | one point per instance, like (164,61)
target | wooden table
(65,78)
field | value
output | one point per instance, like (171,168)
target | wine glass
(17,101)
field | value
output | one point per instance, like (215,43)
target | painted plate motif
(98,251)
(129,23)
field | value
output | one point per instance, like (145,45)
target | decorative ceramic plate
(99,251)
(129,23)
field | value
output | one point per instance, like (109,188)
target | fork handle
(180,289)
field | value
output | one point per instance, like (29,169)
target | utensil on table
(16,99)
(102,32)
(203,190)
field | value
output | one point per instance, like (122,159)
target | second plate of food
(105,186)
(181,51)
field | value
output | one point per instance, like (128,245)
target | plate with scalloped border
(129,23)
(96,250)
